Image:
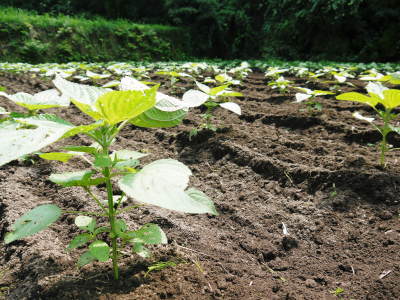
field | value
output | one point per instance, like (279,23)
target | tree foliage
(292,29)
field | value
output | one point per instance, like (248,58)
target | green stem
(111,217)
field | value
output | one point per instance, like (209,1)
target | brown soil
(277,164)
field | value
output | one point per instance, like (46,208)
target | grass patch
(29,37)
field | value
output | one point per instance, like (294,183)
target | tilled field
(277,167)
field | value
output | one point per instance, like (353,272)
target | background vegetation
(32,38)
(347,30)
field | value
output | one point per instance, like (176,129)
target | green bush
(42,38)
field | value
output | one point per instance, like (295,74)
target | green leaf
(84,149)
(102,229)
(41,100)
(103,161)
(357,97)
(218,89)
(100,250)
(118,106)
(155,118)
(33,221)
(85,223)
(127,155)
(87,109)
(59,156)
(141,250)
(18,139)
(130,163)
(391,98)
(81,93)
(120,226)
(86,258)
(162,183)
(82,129)
(200,197)
(78,178)
(149,234)
(79,241)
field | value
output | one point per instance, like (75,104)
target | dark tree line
(292,29)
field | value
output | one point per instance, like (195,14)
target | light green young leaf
(86,258)
(85,223)
(33,221)
(83,149)
(218,89)
(118,106)
(357,97)
(59,156)
(79,240)
(155,118)
(163,183)
(149,234)
(391,98)
(100,250)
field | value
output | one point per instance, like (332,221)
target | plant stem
(111,216)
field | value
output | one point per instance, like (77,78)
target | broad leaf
(83,149)
(85,223)
(155,118)
(78,178)
(193,98)
(149,234)
(59,156)
(100,250)
(357,97)
(42,100)
(163,183)
(81,93)
(233,107)
(86,258)
(141,250)
(33,221)
(118,106)
(17,140)
(127,155)
(82,129)
(79,241)
(391,98)
(215,91)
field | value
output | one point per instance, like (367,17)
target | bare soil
(277,166)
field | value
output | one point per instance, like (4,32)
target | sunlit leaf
(100,250)
(155,118)
(118,106)
(149,234)
(163,183)
(357,97)
(59,156)
(233,107)
(85,223)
